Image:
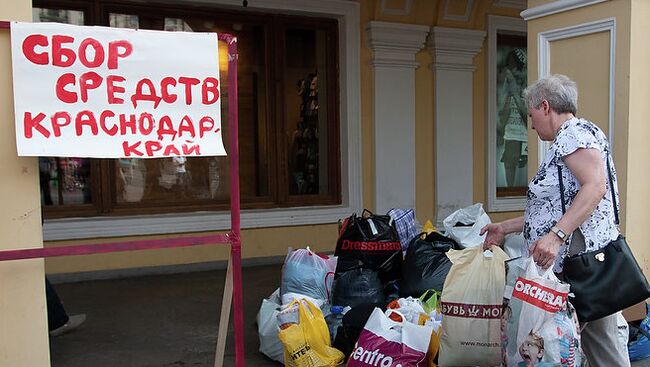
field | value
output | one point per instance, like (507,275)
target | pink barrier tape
(235,209)
(100,248)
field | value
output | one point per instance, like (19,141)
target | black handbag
(607,280)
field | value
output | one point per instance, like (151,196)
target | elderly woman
(580,148)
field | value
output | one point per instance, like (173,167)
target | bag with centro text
(388,339)
(471,303)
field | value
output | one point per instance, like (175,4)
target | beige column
(637,205)
(23,323)
(453,52)
(394,46)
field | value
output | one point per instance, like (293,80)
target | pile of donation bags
(384,299)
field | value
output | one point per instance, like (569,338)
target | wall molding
(544,40)
(454,48)
(512,4)
(395,44)
(555,7)
(456,17)
(348,15)
(408,5)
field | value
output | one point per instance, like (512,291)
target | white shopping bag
(464,225)
(471,302)
(537,296)
(385,342)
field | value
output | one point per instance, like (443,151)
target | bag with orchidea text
(541,326)
(307,343)
(471,302)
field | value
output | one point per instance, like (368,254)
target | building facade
(344,105)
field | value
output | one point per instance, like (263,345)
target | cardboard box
(636,312)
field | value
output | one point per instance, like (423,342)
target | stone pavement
(162,320)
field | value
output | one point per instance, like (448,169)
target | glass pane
(305,121)
(254,135)
(512,130)
(175,25)
(168,179)
(123,21)
(75,17)
(64,181)
(193,180)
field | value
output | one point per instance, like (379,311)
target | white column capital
(395,44)
(454,48)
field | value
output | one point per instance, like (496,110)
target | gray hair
(560,92)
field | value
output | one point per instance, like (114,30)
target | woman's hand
(496,234)
(545,250)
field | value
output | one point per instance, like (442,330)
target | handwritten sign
(112,93)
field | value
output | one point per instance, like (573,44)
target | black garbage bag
(356,286)
(373,240)
(352,325)
(426,264)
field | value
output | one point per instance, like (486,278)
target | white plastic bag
(268,328)
(464,225)
(411,308)
(515,245)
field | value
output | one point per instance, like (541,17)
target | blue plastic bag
(306,273)
(639,346)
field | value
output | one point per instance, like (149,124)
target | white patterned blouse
(543,204)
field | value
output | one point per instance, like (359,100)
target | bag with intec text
(307,343)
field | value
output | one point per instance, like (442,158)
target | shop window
(288,120)
(507,158)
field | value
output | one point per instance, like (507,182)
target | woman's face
(541,122)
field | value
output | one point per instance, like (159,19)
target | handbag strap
(611,187)
(634,330)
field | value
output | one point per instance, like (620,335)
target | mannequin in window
(512,115)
